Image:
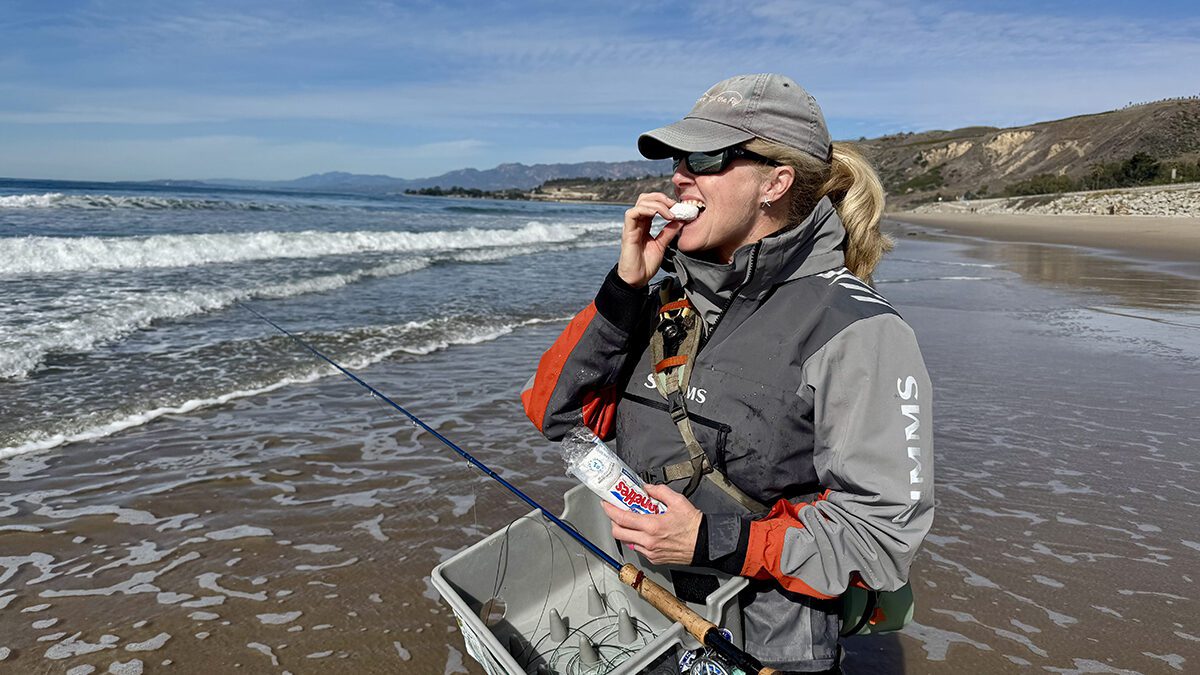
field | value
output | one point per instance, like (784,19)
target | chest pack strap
(673,347)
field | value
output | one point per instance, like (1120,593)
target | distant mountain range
(503,177)
(914,166)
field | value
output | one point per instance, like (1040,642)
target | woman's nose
(682,177)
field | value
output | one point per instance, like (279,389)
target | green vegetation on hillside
(471,193)
(611,190)
(592,182)
(1042,184)
(1140,169)
(929,180)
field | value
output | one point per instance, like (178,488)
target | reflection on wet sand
(217,541)
(1163,286)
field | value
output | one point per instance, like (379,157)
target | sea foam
(25,348)
(41,201)
(432,335)
(52,255)
(50,200)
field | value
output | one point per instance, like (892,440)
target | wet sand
(1153,237)
(295,531)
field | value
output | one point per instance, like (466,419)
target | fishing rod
(705,632)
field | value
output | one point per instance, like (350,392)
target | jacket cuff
(619,303)
(721,542)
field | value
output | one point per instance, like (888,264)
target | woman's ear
(778,182)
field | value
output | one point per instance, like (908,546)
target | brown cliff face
(983,160)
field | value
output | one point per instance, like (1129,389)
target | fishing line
(664,601)
(602,638)
(609,560)
(602,631)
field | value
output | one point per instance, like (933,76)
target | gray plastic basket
(531,567)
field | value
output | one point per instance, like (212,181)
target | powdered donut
(685,211)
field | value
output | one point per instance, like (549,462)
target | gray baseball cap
(767,106)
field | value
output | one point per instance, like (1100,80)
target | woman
(807,391)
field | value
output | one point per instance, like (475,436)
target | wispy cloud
(943,63)
(536,81)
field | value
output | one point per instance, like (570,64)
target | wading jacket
(808,392)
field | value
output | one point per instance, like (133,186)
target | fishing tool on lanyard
(717,642)
(673,347)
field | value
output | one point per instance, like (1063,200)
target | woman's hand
(641,254)
(665,538)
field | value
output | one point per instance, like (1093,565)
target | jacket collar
(811,246)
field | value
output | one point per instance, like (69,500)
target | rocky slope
(983,160)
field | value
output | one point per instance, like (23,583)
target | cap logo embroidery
(731,98)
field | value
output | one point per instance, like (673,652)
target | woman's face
(731,214)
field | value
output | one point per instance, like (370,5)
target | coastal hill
(983,161)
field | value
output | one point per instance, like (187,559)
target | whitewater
(121,306)
(49,255)
(49,200)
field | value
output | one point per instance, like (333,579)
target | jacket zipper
(732,297)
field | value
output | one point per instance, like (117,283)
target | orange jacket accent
(600,411)
(599,408)
(765,548)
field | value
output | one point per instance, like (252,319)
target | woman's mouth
(688,209)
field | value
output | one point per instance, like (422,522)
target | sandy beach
(1154,237)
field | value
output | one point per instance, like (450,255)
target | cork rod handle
(673,608)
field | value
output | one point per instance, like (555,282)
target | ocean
(120,307)
(183,487)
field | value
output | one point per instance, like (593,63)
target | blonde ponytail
(856,192)
(853,187)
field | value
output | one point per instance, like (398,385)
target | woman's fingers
(655,202)
(663,538)
(633,537)
(640,215)
(655,198)
(641,254)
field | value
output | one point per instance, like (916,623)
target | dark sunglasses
(706,163)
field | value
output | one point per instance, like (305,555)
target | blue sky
(128,90)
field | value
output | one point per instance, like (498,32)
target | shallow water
(295,529)
(1067,441)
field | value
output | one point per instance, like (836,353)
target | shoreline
(1162,238)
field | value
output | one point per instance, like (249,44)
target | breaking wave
(27,348)
(50,200)
(415,337)
(23,350)
(50,255)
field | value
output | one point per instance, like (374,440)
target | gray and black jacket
(808,392)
